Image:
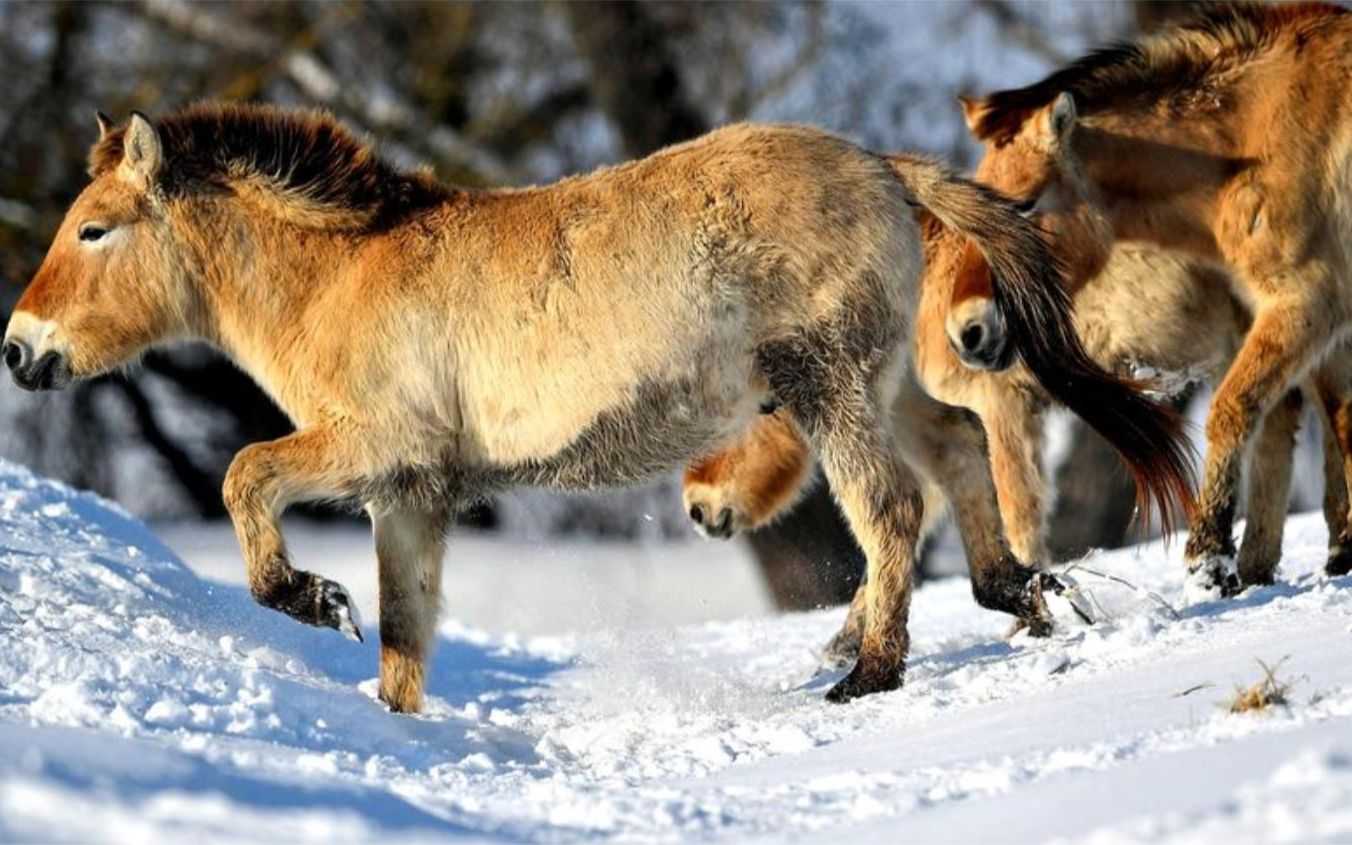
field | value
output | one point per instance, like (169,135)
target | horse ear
(1061,119)
(105,124)
(142,154)
(972,109)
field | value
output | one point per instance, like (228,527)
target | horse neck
(1084,233)
(258,280)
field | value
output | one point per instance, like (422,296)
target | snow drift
(139,703)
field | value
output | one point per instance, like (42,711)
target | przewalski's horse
(760,476)
(1147,310)
(1228,137)
(1167,316)
(433,345)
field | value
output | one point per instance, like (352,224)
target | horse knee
(243,481)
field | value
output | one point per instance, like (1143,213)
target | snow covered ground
(512,585)
(142,703)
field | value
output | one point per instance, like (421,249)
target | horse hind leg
(1333,384)
(1280,345)
(882,503)
(1269,486)
(838,404)
(843,648)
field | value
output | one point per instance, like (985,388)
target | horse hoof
(1065,601)
(866,678)
(1211,579)
(1339,562)
(335,609)
(1036,619)
(722,525)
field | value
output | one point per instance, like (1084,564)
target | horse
(1165,317)
(433,345)
(1225,137)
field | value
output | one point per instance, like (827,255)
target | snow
(142,703)
(511,585)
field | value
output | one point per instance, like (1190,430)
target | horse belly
(663,426)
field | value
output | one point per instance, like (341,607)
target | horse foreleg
(947,445)
(409,548)
(263,480)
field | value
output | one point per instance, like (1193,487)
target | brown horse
(1168,316)
(433,344)
(1147,311)
(1227,137)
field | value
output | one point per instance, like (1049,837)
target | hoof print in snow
(1212,579)
(866,678)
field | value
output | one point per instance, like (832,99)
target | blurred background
(506,94)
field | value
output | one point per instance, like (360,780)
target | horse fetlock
(1010,587)
(1257,570)
(1209,540)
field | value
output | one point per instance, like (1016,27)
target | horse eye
(91,232)
(1026,206)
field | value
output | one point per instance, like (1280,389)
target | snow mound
(140,704)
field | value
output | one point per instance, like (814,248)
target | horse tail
(1030,293)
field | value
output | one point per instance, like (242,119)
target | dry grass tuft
(1268,692)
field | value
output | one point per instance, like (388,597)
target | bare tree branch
(1019,29)
(317,81)
(634,78)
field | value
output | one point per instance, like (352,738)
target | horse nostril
(972,336)
(697,514)
(16,354)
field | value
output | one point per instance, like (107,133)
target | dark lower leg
(1269,485)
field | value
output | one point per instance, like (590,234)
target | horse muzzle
(48,371)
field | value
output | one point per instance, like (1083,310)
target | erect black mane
(306,157)
(1175,58)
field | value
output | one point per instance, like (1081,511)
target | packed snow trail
(141,704)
